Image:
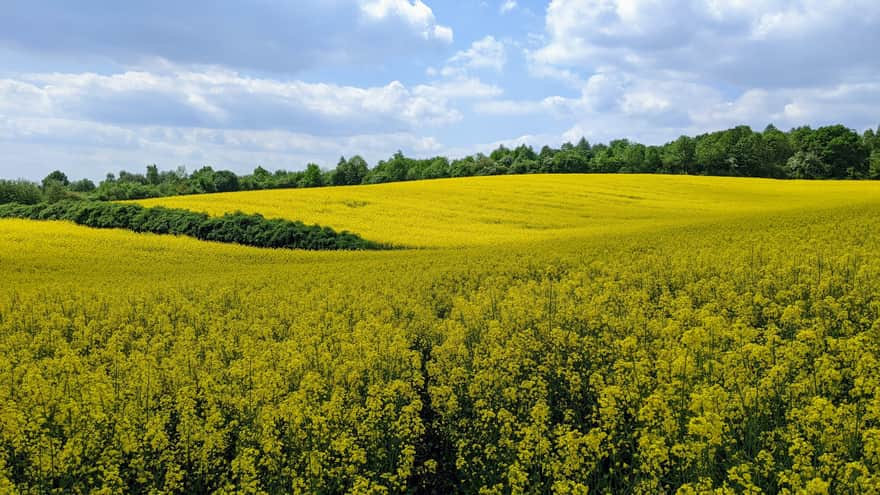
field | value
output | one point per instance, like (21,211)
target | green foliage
(153,175)
(840,148)
(225,181)
(19,191)
(312,177)
(874,167)
(806,165)
(871,139)
(680,156)
(56,176)
(54,191)
(237,228)
(393,170)
(82,186)
(776,152)
(350,172)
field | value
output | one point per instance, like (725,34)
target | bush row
(237,228)
(19,191)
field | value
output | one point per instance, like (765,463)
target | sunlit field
(558,334)
(492,210)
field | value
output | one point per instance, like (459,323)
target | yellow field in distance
(504,209)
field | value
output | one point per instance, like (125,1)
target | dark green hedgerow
(237,228)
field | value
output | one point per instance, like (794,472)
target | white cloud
(220,85)
(19,97)
(486,53)
(443,33)
(463,88)
(779,43)
(855,104)
(547,71)
(217,116)
(653,70)
(613,105)
(273,36)
(35,146)
(552,105)
(416,14)
(227,99)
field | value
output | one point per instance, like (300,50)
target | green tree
(500,153)
(19,191)
(350,172)
(523,166)
(583,147)
(807,165)
(312,176)
(262,177)
(225,181)
(56,176)
(680,156)
(153,175)
(633,157)
(710,154)
(394,169)
(777,151)
(55,191)
(568,160)
(462,167)
(868,139)
(653,159)
(484,165)
(438,168)
(82,185)
(524,152)
(748,156)
(203,180)
(874,165)
(126,176)
(841,149)
(799,137)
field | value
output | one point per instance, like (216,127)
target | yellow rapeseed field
(495,210)
(603,334)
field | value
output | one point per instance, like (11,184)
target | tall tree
(841,149)
(777,151)
(56,176)
(153,175)
(312,177)
(807,165)
(680,156)
(350,172)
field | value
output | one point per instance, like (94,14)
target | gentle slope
(505,209)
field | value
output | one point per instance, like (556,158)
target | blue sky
(96,86)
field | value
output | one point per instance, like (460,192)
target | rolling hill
(509,209)
(601,334)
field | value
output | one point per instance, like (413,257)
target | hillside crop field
(551,334)
(515,209)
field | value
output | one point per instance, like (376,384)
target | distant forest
(830,152)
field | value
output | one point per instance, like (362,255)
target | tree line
(830,152)
(237,228)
